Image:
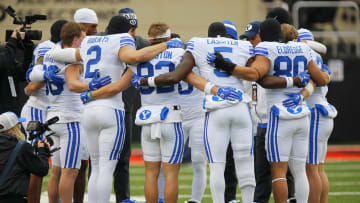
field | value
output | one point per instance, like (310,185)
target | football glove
(294,100)
(219,62)
(98,82)
(136,81)
(51,77)
(228,93)
(304,78)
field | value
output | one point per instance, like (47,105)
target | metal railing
(331,34)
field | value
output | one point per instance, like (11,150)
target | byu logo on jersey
(294,111)
(144,115)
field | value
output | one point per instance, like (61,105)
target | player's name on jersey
(289,50)
(219,41)
(48,59)
(98,39)
(165,55)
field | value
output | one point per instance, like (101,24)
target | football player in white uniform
(287,132)
(67,106)
(321,126)
(35,109)
(105,138)
(160,117)
(228,118)
(191,100)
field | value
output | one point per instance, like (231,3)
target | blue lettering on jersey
(164,55)
(144,115)
(99,39)
(222,42)
(48,59)
(289,50)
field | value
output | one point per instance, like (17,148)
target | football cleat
(129,201)
(234,201)
(291,200)
(192,201)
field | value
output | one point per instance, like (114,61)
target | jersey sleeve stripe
(261,48)
(263,53)
(189,48)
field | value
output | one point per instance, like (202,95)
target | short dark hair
(56,29)
(270,30)
(280,14)
(216,29)
(69,31)
(117,25)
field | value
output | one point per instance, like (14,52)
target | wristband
(310,88)
(91,98)
(208,87)
(289,82)
(151,82)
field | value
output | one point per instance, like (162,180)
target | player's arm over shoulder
(114,88)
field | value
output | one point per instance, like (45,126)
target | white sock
(246,177)
(217,182)
(92,184)
(247,193)
(161,183)
(104,182)
(199,180)
(297,169)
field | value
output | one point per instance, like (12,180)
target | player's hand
(228,93)
(44,143)
(86,97)
(50,75)
(98,82)
(294,100)
(135,81)
(304,78)
(324,67)
(174,43)
(220,62)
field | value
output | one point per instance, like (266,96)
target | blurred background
(334,23)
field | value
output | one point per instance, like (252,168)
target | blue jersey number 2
(93,61)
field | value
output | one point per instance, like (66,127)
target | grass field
(344,180)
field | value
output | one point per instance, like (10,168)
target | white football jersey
(236,51)
(319,94)
(40,51)
(63,102)
(287,60)
(164,62)
(191,99)
(189,95)
(101,53)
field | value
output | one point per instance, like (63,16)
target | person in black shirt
(13,72)
(14,184)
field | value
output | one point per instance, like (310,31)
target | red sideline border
(335,153)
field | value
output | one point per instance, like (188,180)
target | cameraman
(17,161)
(15,58)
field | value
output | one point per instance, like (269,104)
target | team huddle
(216,92)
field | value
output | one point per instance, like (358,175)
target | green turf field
(344,180)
